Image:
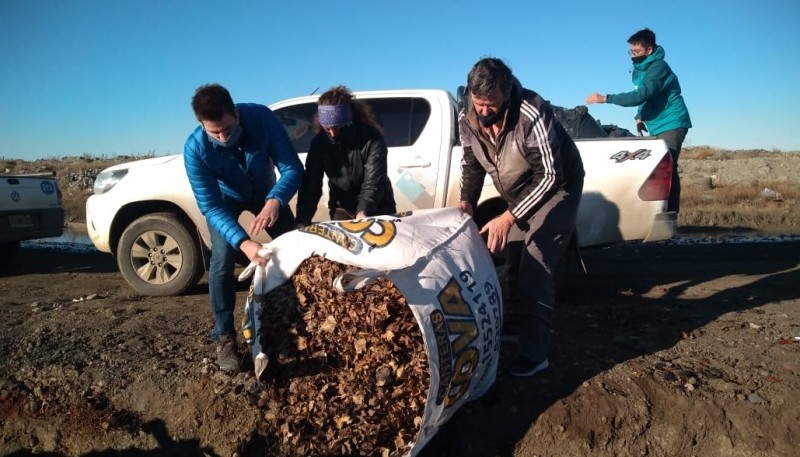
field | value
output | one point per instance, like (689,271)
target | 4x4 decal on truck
(639,154)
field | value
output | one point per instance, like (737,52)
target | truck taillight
(657,185)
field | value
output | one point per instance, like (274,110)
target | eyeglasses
(637,52)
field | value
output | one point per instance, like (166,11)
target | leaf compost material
(348,373)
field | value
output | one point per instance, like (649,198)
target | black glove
(640,127)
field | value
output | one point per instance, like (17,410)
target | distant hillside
(721,189)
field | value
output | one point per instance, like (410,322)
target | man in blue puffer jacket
(657,93)
(230,161)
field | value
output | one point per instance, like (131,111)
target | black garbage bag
(579,123)
(576,121)
(615,131)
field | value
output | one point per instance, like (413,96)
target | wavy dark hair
(341,95)
(488,74)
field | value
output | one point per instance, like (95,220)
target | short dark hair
(489,74)
(644,38)
(211,102)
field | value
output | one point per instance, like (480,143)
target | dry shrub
(742,206)
(709,153)
(75,208)
(698,153)
(729,194)
(75,176)
(347,373)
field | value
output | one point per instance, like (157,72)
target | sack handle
(266,252)
(354,280)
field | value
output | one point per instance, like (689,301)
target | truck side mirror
(461,97)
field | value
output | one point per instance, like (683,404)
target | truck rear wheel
(8,251)
(157,255)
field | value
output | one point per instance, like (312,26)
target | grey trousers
(535,249)
(674,140)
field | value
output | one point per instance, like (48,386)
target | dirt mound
(776,167)
(708,167)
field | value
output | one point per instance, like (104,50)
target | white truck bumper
(665,225)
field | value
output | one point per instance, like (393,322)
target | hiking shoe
(524,367)
(228,358)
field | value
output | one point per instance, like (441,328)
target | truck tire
(485,212)
(157,255)
(8,251)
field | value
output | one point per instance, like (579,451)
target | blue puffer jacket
(657,94)
(216,174)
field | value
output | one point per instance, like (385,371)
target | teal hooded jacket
(657,93)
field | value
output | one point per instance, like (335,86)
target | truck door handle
(415,165)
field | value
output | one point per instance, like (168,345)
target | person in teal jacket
(230,160)
(657,93)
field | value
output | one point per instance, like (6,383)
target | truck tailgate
(30,207)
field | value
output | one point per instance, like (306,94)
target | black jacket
(357,174)
(533,156)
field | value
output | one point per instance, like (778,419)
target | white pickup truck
(144,213)
(30,208)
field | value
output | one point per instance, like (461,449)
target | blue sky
(106,78)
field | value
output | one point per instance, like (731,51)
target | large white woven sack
(439,262)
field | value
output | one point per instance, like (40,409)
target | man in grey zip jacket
(512,134)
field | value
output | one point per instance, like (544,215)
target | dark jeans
(674,140)
(535,249)
(221,281)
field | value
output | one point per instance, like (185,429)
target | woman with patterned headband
(350,150)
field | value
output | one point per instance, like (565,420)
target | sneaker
(524,367)
(228,358)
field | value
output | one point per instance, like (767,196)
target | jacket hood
(658,54)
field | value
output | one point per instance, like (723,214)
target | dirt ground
(663,350)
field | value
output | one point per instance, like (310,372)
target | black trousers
(674,140)
(536,247)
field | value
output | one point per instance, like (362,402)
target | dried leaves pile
(347,373)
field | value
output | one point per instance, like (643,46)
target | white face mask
(232,139)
